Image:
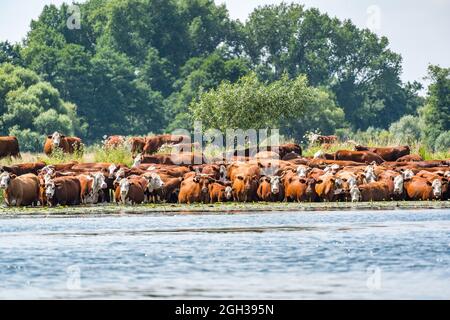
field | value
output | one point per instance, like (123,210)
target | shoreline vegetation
(219,208)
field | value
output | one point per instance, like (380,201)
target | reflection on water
(367,254)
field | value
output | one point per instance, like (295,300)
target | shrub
(407,130)
(442,143)
(114,155)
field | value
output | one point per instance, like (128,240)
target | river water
(268,255)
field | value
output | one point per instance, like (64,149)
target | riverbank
(224,208)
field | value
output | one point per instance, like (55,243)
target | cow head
(398,184)
(203,181)
(360,148)
(120,174)
(338,185)
(99,182)
(111,169)
(275,183)
(124,186)
(310,189)
(302,171)
(50,188)
(436,185)
(56,138)
(154,181)
(228,192)
(50,170)
(407,174)
(369,174)
(223,172)
(137,161)
(332,169)
(355,194)
(5,179)
(250,182)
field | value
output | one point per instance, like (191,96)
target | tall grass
(114,155)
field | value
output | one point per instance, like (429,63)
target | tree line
(136,67)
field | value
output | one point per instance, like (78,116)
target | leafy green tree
(134,66)
(355,64)
(10,53)
(407,130)
(291,105)
(436,111)
(32,108)
(199,75)
(443,142)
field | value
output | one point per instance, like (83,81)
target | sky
(419,30)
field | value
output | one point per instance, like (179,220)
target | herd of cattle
(279,173)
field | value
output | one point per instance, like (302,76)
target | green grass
(58,156)
(416,148)
(114,155)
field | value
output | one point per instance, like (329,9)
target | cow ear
(49,137)
(429,183)
(12,176)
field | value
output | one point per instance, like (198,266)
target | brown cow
(374,191)
(418,188)
(114,142)
(185,158)
(63,190)
(387,153)
(324,139)
(269,188)
(137,145)
(294,187)
(23,168)
(219,193)
(358,156)
(66,144)
(9,147)
(171,189)
(322,163)
(130,191)
(282,150)
(290,156)
(152,144)
(20,191)
(91,185)
(267,155)
(195,189)
(328,187)
(286,148)
(410,158)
